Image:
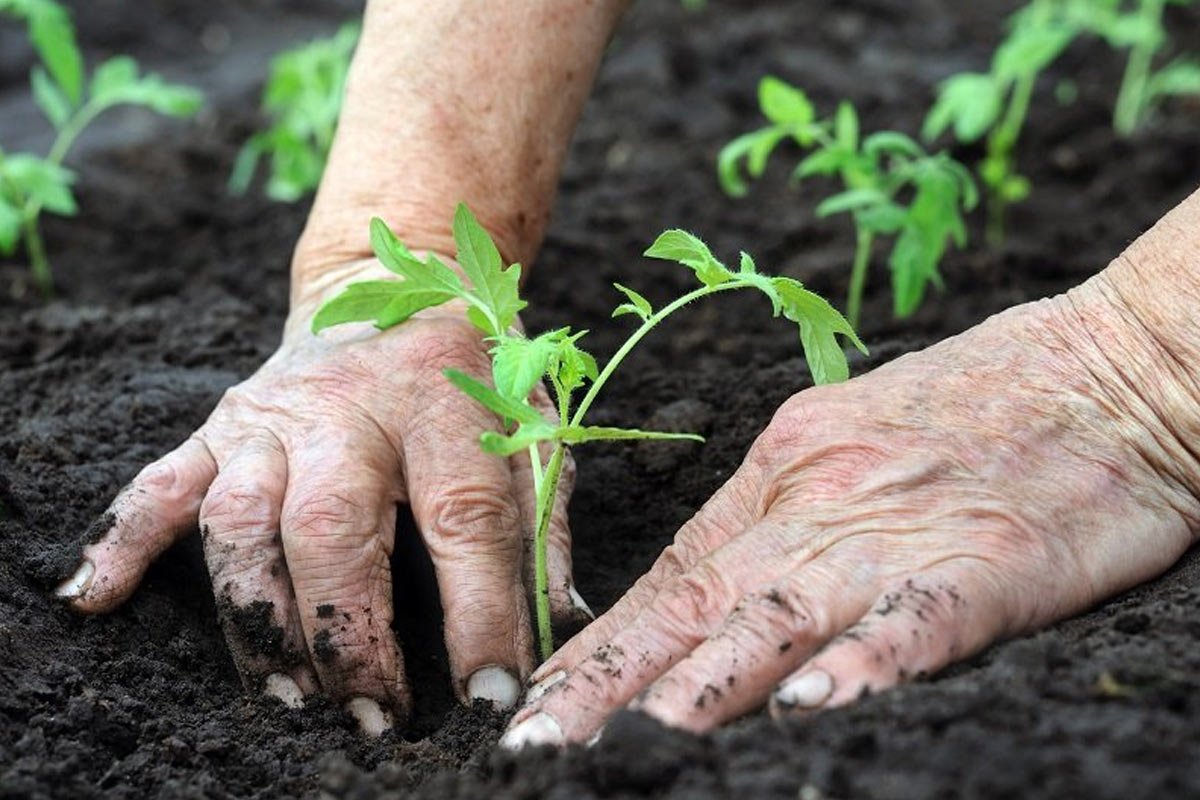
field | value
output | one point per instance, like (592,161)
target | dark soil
(173,291)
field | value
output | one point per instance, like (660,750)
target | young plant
(995,104)
(30,183)
(519,362)
(1140,30)
(303,98)
(890,187)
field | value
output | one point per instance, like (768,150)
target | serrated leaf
(50,98)
(504,407)
(430,274)
(577,434)
(637,304)
(117,82)
(850,200)
(970,103)
(572,363)
(496,288)
(519,363)
(783,103)
(884,218)
(827,161)
(820,325)
(688,250)
(746,265)
(497,444)
(386,303)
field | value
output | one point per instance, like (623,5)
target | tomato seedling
(996,103)
(1139,28)
(890,187)
(520,362)
(302,98)
(30,183)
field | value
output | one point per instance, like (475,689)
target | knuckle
(695,602)
(776,616)
(474,513)
(165,480)
(243,508)
(327,514)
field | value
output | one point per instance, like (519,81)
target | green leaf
(571,363)
(690,251)
(46,183)
(850,200)
(827,161)
(746,265)
(755,147)
(519,363)
(245,165)
(430,274)
(504,407)
(885,218)
(497,444)
(591,433)
(53,37)
(820,324)
(496,288)
(117,82)
(1179,78)
(783,103)
(637,304)
(10,227)
(50,98)
(386,303)
(970,103)
(845,127)
(891,143)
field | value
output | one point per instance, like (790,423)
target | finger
(768,635)
(916,628)
(464,504)
(730,511)
(154,511)
(568,611)
(338,529)
(686,611)
(239,525)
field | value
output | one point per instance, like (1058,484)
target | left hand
(881,529)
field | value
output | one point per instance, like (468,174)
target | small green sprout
(891,187)
(519,362)
(303,98)
(1140,30)
(29,183)
(995,104)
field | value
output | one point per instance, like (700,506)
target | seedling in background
(303,98)
(30,183)
(520,362)
(1140,30)
(995,104)
(890,187)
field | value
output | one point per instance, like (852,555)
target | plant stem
(541,582)
(858,275)
(39,265)
(1001,144)
(637,336)
(1131,101)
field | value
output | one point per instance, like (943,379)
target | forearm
(453,101)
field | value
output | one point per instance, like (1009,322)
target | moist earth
(172,291)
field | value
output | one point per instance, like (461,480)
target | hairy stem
(541,581)
(858,275)
(39,265)
(1131,102)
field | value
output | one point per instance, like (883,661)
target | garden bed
(172,291)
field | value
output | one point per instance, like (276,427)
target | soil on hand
(172,291)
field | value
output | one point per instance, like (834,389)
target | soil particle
(255,626)
(325,611)
(322,647)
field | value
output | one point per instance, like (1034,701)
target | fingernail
(371,717)
(284,689)
(495,684)
(538,689)
(78,583)
(808,691)
(540,729)
(578,601)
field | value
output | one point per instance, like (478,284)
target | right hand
(294,480)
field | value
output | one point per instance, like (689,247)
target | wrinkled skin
(294,481)
(881,529)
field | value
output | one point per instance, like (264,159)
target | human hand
(294,481)
(881,529)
